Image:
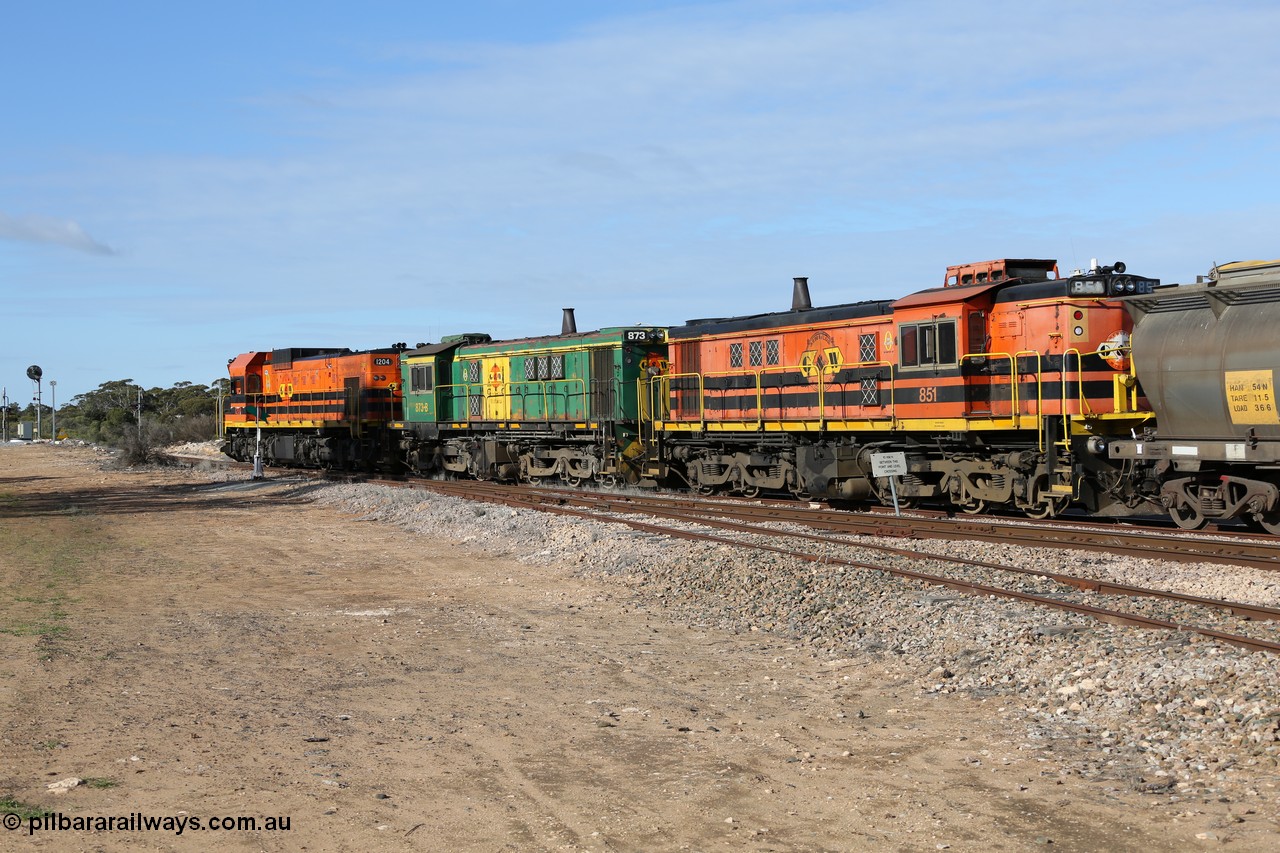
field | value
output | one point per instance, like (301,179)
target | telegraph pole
(53,394)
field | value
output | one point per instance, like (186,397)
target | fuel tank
(1207,354)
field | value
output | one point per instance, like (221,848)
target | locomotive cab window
(420,378)
(924,344)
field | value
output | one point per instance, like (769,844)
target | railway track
(1229,547)
(681,512)
(1210,548)
(827,528)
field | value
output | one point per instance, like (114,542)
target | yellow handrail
(739,373)
(1039,374)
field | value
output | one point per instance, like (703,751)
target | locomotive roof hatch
(434,349)
(1024,269)
(286,356)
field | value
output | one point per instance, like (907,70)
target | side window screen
(946,343)
(907,346)
(928,344)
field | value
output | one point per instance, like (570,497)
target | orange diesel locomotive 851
(991,386)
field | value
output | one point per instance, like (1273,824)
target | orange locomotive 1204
(316,407)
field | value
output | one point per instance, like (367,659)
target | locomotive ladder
(1058,456)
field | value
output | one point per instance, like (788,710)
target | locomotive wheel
(1048,509)
(1187,517)
(749,491)
(976,508)
(609,481)
(1269,522)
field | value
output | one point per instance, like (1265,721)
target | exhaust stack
(800,294)
(568,326)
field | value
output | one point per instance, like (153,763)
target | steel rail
(1102,587)
(1223,547)
(554,504)
(1257,555)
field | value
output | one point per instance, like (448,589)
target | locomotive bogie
(742,472)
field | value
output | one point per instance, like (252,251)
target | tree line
(120,411)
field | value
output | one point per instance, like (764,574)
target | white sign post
(890,465)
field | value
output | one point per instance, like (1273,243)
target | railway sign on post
(891,465)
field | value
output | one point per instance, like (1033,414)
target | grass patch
(46,618)
(100,782)
(43,562)
(8,805)
(42,628)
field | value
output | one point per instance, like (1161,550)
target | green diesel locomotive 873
(563,406)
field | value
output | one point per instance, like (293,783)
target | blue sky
(180,183)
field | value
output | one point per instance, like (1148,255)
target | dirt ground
(196,649)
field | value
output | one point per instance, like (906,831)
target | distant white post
(257,456)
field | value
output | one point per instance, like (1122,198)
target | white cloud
(57,232)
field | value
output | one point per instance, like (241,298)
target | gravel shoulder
(407,671)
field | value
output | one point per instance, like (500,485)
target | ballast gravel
(1163,712)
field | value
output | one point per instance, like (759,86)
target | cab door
(976,366)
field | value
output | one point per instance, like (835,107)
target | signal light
(1078,315)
